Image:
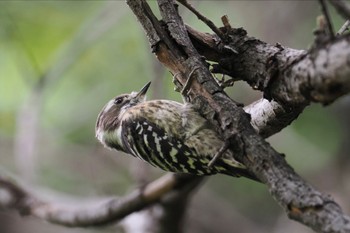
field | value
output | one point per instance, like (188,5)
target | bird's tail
(231,169)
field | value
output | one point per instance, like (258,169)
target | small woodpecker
(166,134)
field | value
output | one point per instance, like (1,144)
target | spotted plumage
(165,134)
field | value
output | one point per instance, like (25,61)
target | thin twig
(218,155)
(344,28)
(226,22)
(342,7)
(328,20)
(188,83)
(207,21)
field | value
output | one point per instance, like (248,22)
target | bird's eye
(118,100)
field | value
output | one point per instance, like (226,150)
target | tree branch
(93,213)
(342,7)
(207,21)
(328,19)
(344,28)
(301,201)
(291,78)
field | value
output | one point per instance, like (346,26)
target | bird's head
(109,117)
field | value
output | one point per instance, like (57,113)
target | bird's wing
(158,147)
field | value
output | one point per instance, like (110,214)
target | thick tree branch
(292,78)
(301,201)
(320,75)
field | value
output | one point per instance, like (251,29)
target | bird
(167,134)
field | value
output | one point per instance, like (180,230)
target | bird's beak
(143,91)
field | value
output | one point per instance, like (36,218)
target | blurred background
(61,61)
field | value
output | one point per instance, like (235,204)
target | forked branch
(300,200)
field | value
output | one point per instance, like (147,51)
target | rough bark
(290,79)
